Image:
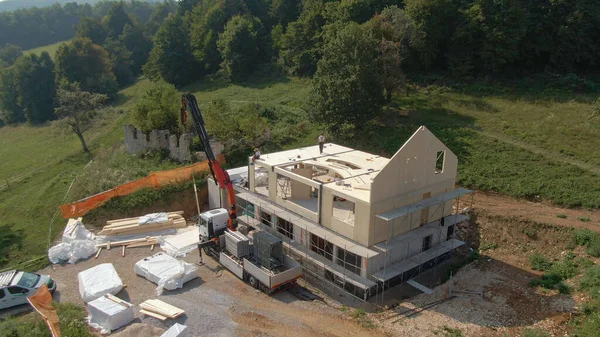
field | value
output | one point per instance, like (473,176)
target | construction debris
(99,281)
(160,310)
(166,271)
(145,224)
(109,313)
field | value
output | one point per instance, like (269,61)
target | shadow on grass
(10,239)
(385,134)
(253,82)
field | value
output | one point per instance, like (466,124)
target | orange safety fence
(41,301)
(155,180)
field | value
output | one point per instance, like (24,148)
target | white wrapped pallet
(75,230)
(176,330)
(99,281)
(181,244)
(108,314)
(166,271)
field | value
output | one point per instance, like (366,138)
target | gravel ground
(216,303)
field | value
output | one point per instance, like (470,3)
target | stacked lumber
(159,309)
(131,226)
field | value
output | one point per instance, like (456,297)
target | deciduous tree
(348,87)
(159,109)
(34,81)
(171,57)
(88,64)
(77,109)
(239,46)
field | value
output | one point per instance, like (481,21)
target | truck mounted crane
(261,262)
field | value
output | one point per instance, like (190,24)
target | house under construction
(355,220)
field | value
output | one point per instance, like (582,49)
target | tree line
(358,52)
(36,27)
(107,53)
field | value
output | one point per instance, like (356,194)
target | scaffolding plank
(417,206)
(419,286)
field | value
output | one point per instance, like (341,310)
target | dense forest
(40,26)
(358,52)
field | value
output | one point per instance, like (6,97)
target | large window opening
(321,246)
(426,243)
(450,234)
(261,181)
(349,261)
(285,227)
(343,210)
(266,219)
(439,162)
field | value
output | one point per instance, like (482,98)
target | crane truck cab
(212,223)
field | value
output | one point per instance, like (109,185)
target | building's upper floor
(345,189)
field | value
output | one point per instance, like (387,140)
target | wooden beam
(98,253)
(155,315)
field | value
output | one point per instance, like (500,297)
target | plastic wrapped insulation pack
(166,271)
(99,281)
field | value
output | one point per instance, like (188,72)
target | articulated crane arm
(221,176)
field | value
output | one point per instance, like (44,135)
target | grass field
(525,145)
(51,49)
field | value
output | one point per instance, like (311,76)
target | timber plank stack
(130,226)
(160,310)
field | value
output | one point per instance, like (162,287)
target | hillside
(536,155)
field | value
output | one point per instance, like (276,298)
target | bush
(488,246)
(565,269)
(590,327)
(582,237)
(593,246)
(591,278)
(539,262)
(561,215)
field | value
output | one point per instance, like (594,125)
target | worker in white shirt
(321,143)
(256,155)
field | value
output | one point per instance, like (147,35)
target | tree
(397,32)
(93,29)
(239,46)
(9,54)
(348,87)
(160,12)
(171,57)
(34,81)
(116,19)
(139,44)
(207,24)
(88,64)
(436,20)
(159,109)
(10,110)
(77,109)
(284,11)
(120,59)
(300,44)
(242,127)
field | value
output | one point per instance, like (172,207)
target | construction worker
(256,155)
(321,143)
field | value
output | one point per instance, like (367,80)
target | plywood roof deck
(355,168)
